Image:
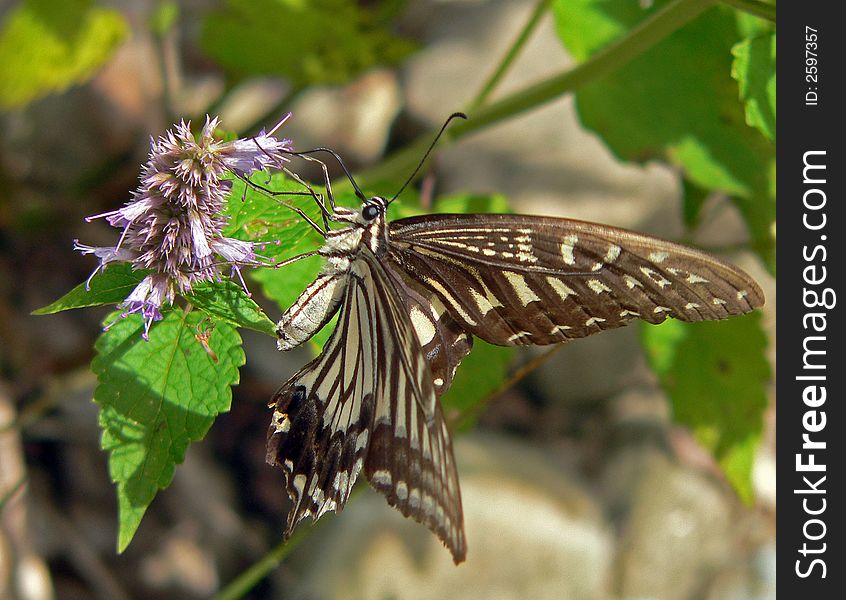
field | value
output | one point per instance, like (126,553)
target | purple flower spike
(172,226)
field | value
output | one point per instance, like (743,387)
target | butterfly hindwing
(368,401)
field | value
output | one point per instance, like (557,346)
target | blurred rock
(353,120)
(533,532)
(679,530)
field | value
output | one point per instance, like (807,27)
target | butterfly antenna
(429,151)
(357,189)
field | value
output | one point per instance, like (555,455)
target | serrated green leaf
(754,68)
(228,301)
(715,375)
(676,101)
(156,397)
(47,46)
(320,42)
(110,286)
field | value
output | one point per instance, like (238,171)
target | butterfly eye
(370,212)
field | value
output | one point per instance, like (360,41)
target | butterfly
(411,295)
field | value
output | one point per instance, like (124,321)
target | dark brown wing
(515,279)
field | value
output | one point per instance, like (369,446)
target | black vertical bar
(811,426)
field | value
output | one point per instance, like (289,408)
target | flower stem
(754,7)
(510,55)
(647,34)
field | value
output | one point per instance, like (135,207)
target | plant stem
(754,7)
(247,580)
(510,55)
(646,35)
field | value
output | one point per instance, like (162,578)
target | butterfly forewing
(513,279)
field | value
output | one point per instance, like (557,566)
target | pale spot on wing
(280,421)
(402,490)
(660,309)
(691,278)
(414,499)
(593,320)
(718,301)
(561,288)
(613,253)
(526,256)
(631,282)
(438,381)
(422,325)
(655,276)
(567,249)
(597,286)
(521,288)
(519,335)
(658,257)
(488,252)
(691,305)
(742,294)
(382,477)
(628,313)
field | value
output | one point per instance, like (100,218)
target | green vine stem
(510,56)
(643,37)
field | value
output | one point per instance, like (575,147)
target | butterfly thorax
(321,299)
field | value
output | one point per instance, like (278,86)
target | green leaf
(110,286)
(155,398)
(48,46)
(318,42)
(482,372)
(228,301)
(754,69)
(676,101)
(715,375)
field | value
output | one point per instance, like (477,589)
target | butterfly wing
(443,340)
(514,279)
(368,402)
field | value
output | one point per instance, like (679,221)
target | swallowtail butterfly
(411,295)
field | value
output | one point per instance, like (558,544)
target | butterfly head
(372,211)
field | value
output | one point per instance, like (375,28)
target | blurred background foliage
(683,86)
